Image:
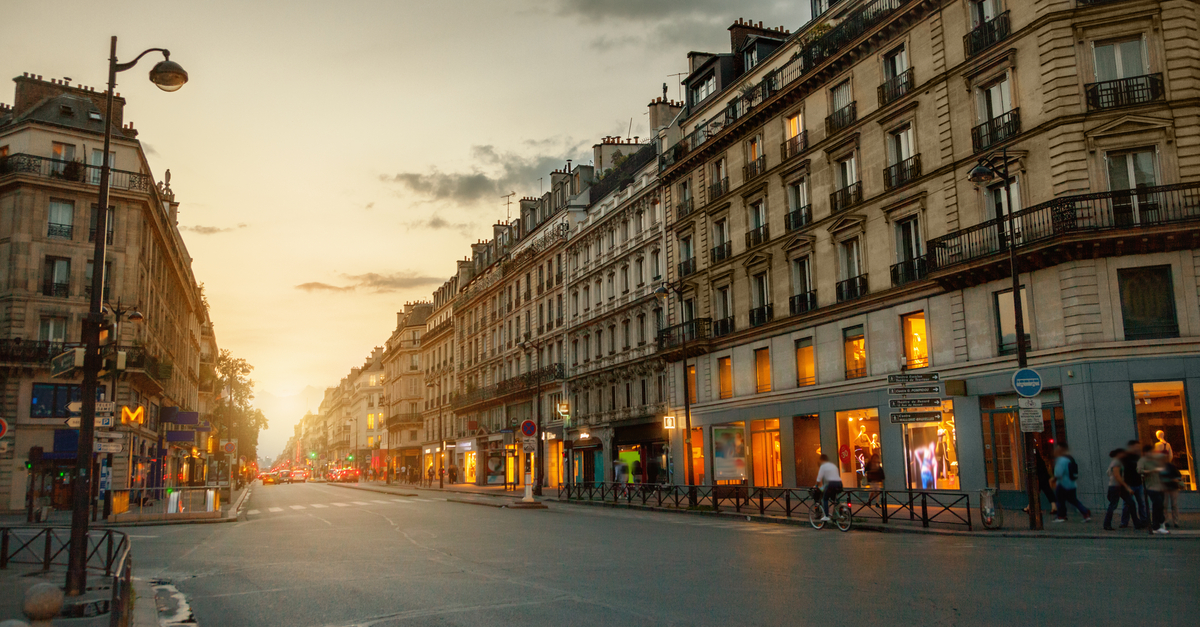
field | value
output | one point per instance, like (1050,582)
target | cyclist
(829,480)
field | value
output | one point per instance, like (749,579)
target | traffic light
(350,457)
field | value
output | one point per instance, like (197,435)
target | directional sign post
(107,447)
(915,416)
(905,403)
(913,377)
(905,390)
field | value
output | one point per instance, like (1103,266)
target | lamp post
(661,292)
(168,76)
(441,452)
(983,173)
(119,313)
(535,346)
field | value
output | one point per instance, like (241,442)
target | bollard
(43,602)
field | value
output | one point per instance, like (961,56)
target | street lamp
(441,440)
(118,313)
(989,168)
(168,76)
(535,346)
(661,292)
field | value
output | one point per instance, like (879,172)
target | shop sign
(914,389)
(1030,414)
(899,403)
(926,377)
(1027,382)
(908,417)
(668,422)
(844,454)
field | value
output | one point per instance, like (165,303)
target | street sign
(1027,382)
(66,362)
(3,427)
(107,447)
(915,389)
(72,422)
(105,408)
(898,403)
(927,377)
(1029,403)
(530,445)
(105,422)
(529,428)
(916,416)
(668,422)
(74,407)
(1030,415)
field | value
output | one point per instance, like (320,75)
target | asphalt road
(321,555)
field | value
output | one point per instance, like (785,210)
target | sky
(334,159)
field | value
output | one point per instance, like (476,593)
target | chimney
(33,91)
(662,112)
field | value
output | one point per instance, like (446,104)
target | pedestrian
(829,479)
(1171,479)
(1043,479)
(403,473)
(1133,454)
(1118,490)
(430,474)
(453,473)
(1066,473)
(1150,469)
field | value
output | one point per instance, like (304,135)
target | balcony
(761,235)
(723,326)
(87,292)
(987,34)
(841,118)
(687,267)
(794,145)
(1161,218)
(718,189)
(57,290)
(59,231)
(74,172)
(761,315)
(845,197)
(896,87)
(558,277)
(754,167)
(684,208)
(802,303)
(852,288)
(721,252)
(902,173)
(908,271)
(798,218)
(29,352)
(693,335)
(1124,92)
(996,130)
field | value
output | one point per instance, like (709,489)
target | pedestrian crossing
(753,528)
(336,504)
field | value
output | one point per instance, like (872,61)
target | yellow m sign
(135,415)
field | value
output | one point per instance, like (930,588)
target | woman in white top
(829,479)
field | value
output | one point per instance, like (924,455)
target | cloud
(370,205)
(212,230)
(671,24)
(374,282)
(438,223)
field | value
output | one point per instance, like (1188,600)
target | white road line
(252,512)
(340,504)
(296,506)
(400,501)
(423,500)
(360,502)
(318,506)
(274,509)
(384,502)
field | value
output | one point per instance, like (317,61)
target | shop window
(51,400)
(729,453)
(806,446)
(860,453)
(806,362)
(1006,320)
(698,456)
(931,451)
(765,453)
(916,344)
(691,383)
(725,374)
(1002,440)
(1148,303)
(1162,421)
(854,344)
(762,370)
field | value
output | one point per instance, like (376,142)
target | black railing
(754,237)
(902,173)
(799,218)
(57,290)
(691,331)
(718,189)
(624,174)
(60,231)
(908,271)
(87,292)
(841,118)
(996,130)
(684,208)
(761,315)
(802,303)
(895,87)
(721,252)
(521,383)
(754,167)
(845,197)
(793,146)
(687,267)
(1124,92)
(852,288)
(73,171)
(16,350)
(987,34)
(1128,208)
(724,326)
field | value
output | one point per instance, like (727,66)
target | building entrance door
(1002,438)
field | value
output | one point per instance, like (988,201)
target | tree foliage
(235,408)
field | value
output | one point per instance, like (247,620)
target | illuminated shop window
(698,455)
(916,341)
(806,362)
(765,452)
(1162,421)
(931,451)
(762,370)
(729,453)
(860,451)
(854,344)
(691,383)
(725,374)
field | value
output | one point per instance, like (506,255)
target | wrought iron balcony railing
(754,237)
(896,87)
(793,146)
(754,167)
(696,330)
(687,267)
(987,34)
(845,197)
(719,188)
(60,231)
(841,118)
(798,218)
(16,350)
(908,271)
(724,326)
(996,130)
(721,252)
(1125,92)
(73,171)
(684,208)
(761,315)
(903,173)
(57,290)
(852,288)
(802,303)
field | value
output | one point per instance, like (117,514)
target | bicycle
(991,516)
(841,515)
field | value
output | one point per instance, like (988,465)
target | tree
(235,411)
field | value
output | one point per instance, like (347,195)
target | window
(895,63)
(858,432)
(1120,59)
(586,298)
(908,239)
(794,125)
(1006,321)
(719,173)
(704,88)
(1132,170)
(765,453)
(53,330)
(639,273)
(725,376)
(724,304)
(691,383)
(931,449)
(916,340)
(61,219)
(654,268)
(762,370)
(97,162)
(854,345)
(720,232)
(57,279)
(62,154)
(806,362)
(685,248)
(900,144)
(641,329)
(1162,421)
(801,276)
(370,441)
(983,11)
(797,195)
(1148,303)
(370,421)
(995,100)
(110,224)
(851,258)
(51,400)
(750,57)
(624,279)
(998,203)
(758,214)
(840,96)
(625,336)
(846,172)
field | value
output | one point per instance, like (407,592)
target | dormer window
(750,57)
(66,110)
(704,88)
(94,116)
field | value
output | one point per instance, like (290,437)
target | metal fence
(925,507)
(108,555)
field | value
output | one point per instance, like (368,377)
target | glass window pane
(855,347)
(916,345)
(729,453)
(860,452)
(1131,58)
(1106,63)
(1148,303)
(1143,168)
(1006,321)
(725,374)
(762,369)
(806,364)
(1162,422)
(932,452)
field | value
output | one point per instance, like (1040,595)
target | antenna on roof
(630,131)
(509,197)
(680,87)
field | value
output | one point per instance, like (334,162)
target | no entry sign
(528,428)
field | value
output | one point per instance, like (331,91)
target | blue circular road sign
(1027,382)
(529,428)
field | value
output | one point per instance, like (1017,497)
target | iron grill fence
(802,303)
(902,173)
(798,218)
(841,118)
(108,556)
(845,197)
(987,34)
(852,288)
(908,271)
(793,146)
(73,171)
(895,87)
(1124,92)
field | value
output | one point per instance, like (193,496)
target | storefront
(588,462)
(465,461)
(641,451)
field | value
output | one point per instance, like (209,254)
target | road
(323,555)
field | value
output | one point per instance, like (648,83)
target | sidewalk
(62,518)
(1015,523)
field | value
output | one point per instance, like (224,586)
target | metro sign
(133,415)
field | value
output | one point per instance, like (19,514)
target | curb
(145,610)
(232,517)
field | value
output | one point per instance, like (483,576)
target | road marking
(401,501)
(253,512)
(297,506)
(423,500)
(384,502)
(341,504)
(318,506)
(360,502)
(274,509)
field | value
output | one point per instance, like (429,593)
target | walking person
(1043,479)
(1171,479)
(1149,467)
(1118,490)
(1066,473)
(1133,454)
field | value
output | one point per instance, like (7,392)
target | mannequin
(1162,446)
(874,443)
(862,447)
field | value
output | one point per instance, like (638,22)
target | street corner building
(825,236)
(158,363)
